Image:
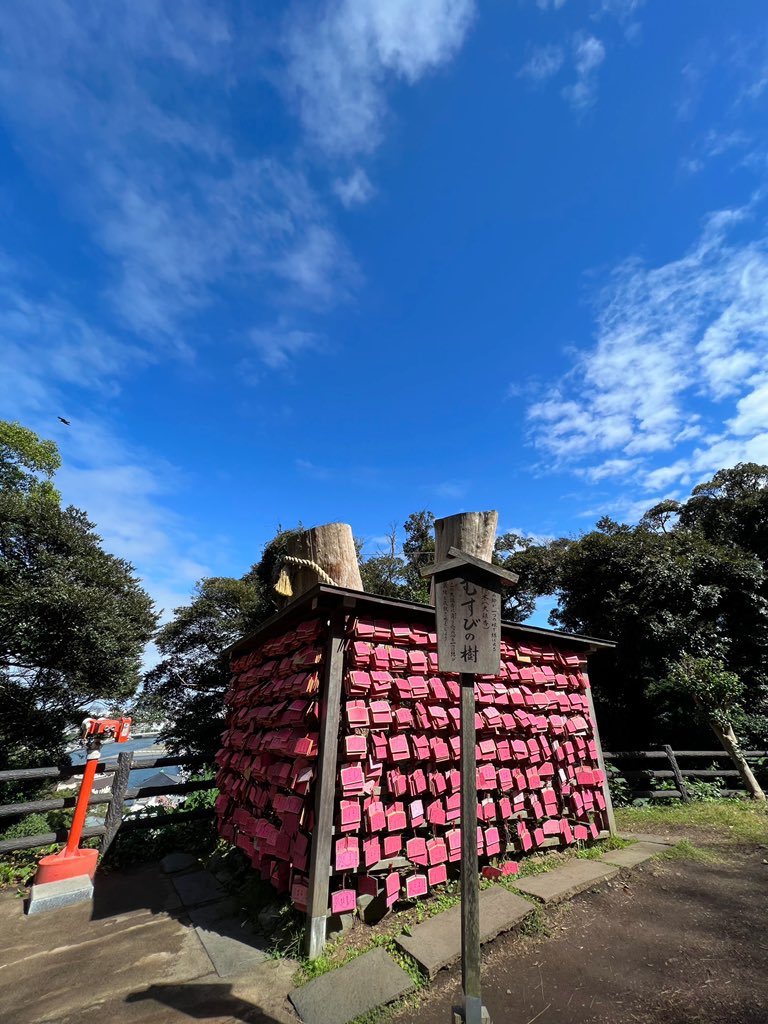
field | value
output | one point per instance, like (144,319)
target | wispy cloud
(356,190)
(451,489)
(153,170)
(279,345)
(342,56)
(679,368)
(543,63)
(56,363)
(588,55)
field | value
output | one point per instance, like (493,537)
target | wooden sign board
(468,618)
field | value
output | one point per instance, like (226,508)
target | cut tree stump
(322,554)
(472,532)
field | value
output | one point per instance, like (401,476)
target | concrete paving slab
(55,895)
(231,947)
(647,837)
(436,943)
(633,855)
(369,981)
(197,888)
(561,883)
(174,862)
(210,913)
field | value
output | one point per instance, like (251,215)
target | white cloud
(545,5)
(56,363)
(588,55)
(127,117)
(681,356)
(340,61)
(543,63)
(451,488)
(356,190)
(278,345)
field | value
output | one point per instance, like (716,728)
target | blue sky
(350,259)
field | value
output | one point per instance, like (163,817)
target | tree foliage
(186,688)
(691,578)
(74,619)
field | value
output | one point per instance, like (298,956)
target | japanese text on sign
(468,627)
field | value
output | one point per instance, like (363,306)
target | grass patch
(685,850)
(744,821)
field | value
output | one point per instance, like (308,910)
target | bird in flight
(65,422)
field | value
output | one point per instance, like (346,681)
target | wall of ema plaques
(397,787)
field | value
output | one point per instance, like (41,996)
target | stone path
(560,884)
(362,985)
(436,943)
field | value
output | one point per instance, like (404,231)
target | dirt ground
(676,941)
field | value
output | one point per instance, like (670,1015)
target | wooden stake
(677,773)
(473,532)
(325,788)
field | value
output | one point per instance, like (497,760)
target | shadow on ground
(205,1002)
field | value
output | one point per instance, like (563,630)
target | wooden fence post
(677,773)
(114,815)
(325,791)
(601,762)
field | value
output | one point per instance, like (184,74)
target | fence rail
(115,799)
(672,757)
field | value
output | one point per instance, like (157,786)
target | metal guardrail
(676,772)
(115,799)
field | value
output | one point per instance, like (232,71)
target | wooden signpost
(468,615)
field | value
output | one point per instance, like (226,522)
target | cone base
(57,866)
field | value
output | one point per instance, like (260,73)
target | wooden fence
(675,772)
(115,799)
(125,764)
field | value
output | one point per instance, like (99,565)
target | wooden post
(114,814)
(677,773)
(467,594)
(470,894)
(323,554)
(325,787)
(601,762)
(471,532)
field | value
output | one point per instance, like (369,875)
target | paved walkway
(137,956)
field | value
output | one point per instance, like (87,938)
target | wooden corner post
(467,594)
(325,786)
(601,763)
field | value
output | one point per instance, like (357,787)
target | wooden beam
(325,786)
(601,762)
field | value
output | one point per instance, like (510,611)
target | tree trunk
(731,746)
(329,548)
(473,532)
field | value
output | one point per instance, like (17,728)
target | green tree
(393,573)
(73,619)
(718,697)
(186,688)
(660,589)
